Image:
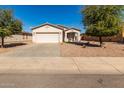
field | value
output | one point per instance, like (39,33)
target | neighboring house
(50,33)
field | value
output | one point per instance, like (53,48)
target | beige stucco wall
(17,38)
(72,30)
(47,28)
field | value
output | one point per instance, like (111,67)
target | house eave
(46,24)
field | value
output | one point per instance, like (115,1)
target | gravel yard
(2,50)
(10,46)
(13,42)
(112,49)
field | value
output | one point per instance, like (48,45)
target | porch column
(65,37)
(79,36)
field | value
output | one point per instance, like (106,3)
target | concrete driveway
(34,50)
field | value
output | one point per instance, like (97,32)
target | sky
(35,15)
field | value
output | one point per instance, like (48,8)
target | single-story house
(50,33)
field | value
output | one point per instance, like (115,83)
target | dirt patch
(10,46)
(110,49)
(2,50)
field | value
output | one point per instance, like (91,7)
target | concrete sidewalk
(62,65)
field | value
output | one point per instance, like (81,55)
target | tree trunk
(100,41)
(2,42)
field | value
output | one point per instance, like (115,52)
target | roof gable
(61,27)
(48,25)
(73,29)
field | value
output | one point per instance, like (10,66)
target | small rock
(104,46)
(84,46)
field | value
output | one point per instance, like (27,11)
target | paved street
(34,50)
(61,72)
(61,81)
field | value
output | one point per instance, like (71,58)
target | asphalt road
(34,50)
(60,81)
